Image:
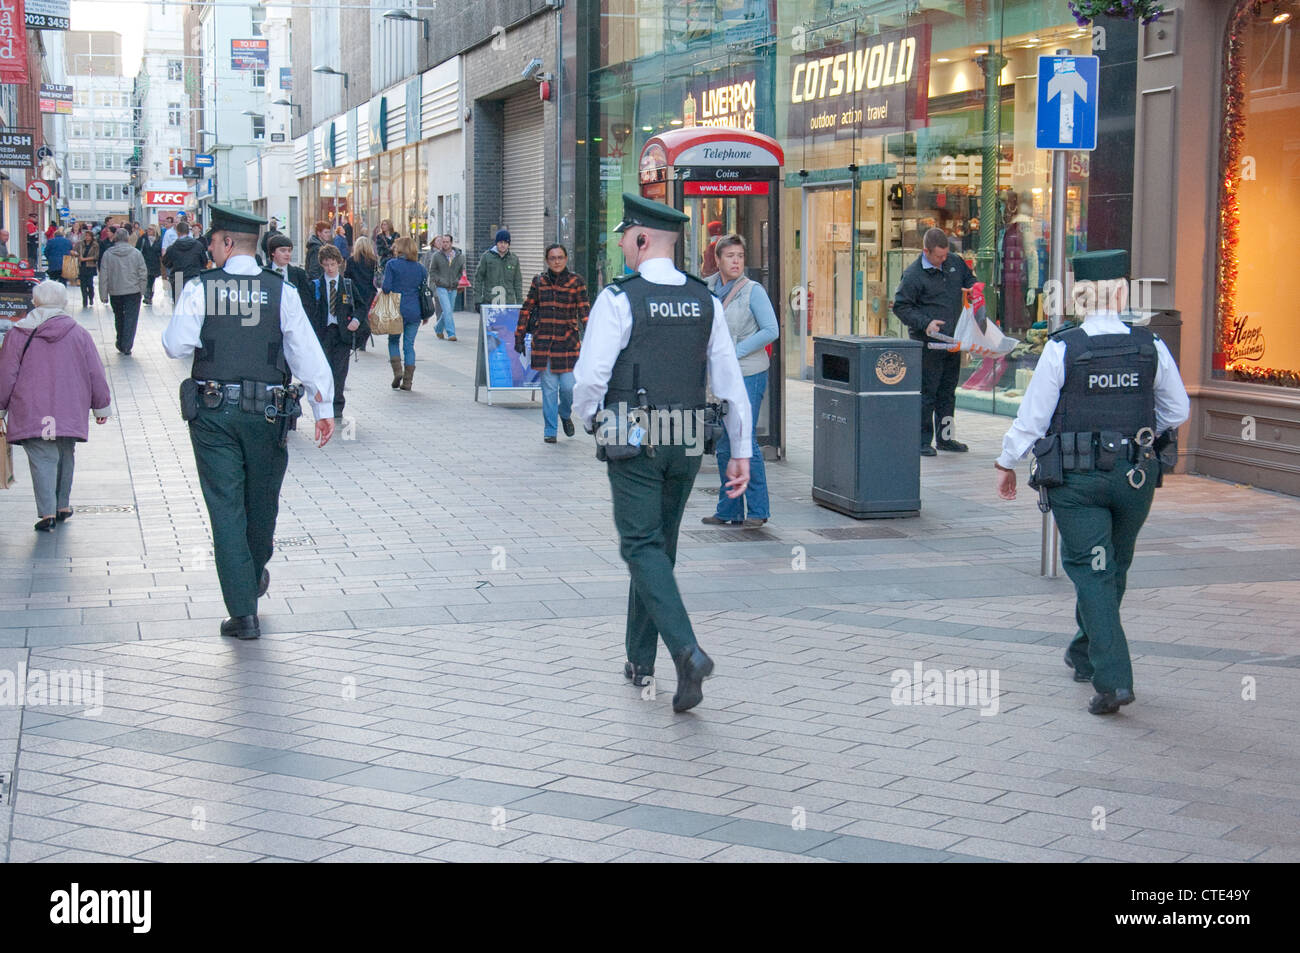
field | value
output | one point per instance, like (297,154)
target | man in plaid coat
(555,314)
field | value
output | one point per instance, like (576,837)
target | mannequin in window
(1018,261)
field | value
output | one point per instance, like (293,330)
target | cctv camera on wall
(533,69)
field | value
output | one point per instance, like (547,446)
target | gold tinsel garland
(1234,124)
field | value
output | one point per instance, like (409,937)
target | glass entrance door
(827,266)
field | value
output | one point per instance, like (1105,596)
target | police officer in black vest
(247,331)
(654,339)
(1101,415)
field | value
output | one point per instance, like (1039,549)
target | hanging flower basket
(1147,11)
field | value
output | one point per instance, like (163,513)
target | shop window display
(1255,336)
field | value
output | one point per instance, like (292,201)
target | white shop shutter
(524,189)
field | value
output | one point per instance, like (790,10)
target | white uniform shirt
(1044,391)
(168,237)
(181,337)
(609,328)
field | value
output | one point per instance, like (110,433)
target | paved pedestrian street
(440,674)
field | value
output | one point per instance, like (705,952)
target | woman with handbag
(88,257)
(360,270)
(405,276)
(752,322)
(51,379)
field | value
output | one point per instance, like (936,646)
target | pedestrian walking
(384,239)
(447,264)
(271,229)
(340,241)
(404,275)
(928,301)
(651,337)
(320,237)
(361,268)
(241,366)
(4,243)
(51,380)
(1101,415)
(555,314)
(337,319)
(34,237)
(281,247)
(123,277)
(169,231)
(150,246)
(185,259)
(752,323)
(87,266)
(56,249)
(496,279)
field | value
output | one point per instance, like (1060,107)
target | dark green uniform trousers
(1100,515)
(241,466)
(650,495)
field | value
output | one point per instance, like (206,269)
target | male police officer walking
(651,337)
(246,329)
(1101,394)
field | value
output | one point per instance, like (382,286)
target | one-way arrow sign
(1063,123)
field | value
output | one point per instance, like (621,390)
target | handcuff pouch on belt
(630,439)
(714,426)
(189,399)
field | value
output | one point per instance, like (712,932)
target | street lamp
(285,102)
(331,71)
(404,16)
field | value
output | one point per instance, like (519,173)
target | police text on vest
(674,309)
(1114,380)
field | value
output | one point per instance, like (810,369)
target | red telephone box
(727,181)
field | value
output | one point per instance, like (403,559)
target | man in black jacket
(280,248)
(319,239)
(271,230)
(928,302)
(185,258)
(333,314)
(150,246)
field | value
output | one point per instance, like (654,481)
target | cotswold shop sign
(869,85)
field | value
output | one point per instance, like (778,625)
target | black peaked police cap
(233,220)
(649,214)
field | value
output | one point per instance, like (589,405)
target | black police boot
(693,668)
(638,676)
(265,584)
(928,451)
(1078,676)
(952,446)
(242,627)
(1107,703)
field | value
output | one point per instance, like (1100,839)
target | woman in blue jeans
(752,322)
(404,274)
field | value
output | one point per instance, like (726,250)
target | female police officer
(1101,395)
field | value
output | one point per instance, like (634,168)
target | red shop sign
(725,188)
(13,43)
(171,199)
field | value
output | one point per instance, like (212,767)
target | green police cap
(649,214)
(233,220)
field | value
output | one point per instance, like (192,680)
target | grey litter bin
(866,425)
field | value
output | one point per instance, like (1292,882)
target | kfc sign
(167,199)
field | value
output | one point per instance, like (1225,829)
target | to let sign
(166,199)
(48,14)
(249,54)
(16,149)
(56,98)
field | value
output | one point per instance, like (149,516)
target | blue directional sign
(1068,91)
(205,160)
(64,211)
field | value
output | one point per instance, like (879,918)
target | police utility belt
(275,402)
(1059,453)
(623,440)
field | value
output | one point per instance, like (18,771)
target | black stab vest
(667,353)
(241,337)
(1110,382)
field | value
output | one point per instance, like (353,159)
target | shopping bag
(386,313)
(71,267)
(6,460)
(975,332)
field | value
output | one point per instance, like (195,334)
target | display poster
(500,367)
(286,77)
(865,85)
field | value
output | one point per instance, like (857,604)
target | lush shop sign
(867,85)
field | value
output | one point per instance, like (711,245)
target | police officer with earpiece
(247,331)
(654,339)
(1101,415)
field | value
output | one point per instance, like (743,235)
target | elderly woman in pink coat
(51,380)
